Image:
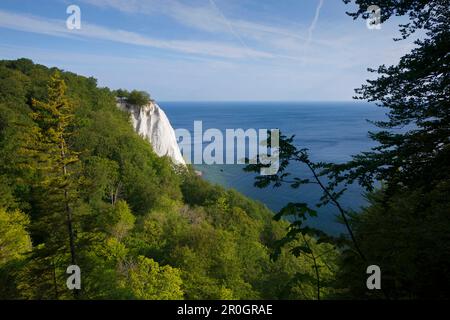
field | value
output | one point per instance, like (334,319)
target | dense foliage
(135,97)
(78,185)
(405,228)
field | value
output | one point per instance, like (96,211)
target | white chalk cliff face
(151,123)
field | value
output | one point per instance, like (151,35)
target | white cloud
(331,44)
(40,25)
(281,68)
(207,18)
(20,22)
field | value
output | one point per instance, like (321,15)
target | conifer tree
(56,185)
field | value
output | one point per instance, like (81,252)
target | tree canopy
(404,228)
(140,229)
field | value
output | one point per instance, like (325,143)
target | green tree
(138,98)
(122,93)
(411,163)
(133,216)
(149,281)
(403,229)
(53,119)
(15,245)
(14,238)
(47,153)
(123,220)
(415,93)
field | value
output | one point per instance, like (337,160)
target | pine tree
(56,185)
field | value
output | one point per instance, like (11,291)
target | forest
(404,229)
(79,187)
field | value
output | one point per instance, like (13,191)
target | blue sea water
(332,131)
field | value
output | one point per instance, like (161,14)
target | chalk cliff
(151,123)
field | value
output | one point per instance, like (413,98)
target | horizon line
(260,101)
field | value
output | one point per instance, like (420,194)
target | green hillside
(78,185)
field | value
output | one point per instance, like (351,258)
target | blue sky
(205,50)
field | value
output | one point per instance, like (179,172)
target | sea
(331,131)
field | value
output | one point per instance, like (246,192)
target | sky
(205,50)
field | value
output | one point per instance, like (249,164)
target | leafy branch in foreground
(413,144)
(288,154)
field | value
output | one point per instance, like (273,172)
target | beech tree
(138,98)
(140,229)
(14,238)
(404,230)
